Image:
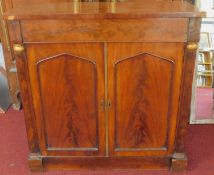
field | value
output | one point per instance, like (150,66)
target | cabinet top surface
(104,10)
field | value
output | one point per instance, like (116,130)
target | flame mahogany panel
(66,97)
(76,125)
(142,120)
(144,86)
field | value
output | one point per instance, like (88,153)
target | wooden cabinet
(107,85)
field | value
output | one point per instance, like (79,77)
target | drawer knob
(18,48)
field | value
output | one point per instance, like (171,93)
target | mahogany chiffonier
(105,85)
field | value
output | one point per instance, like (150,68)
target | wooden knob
(18,48)
(192,46)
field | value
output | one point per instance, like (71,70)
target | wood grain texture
(68,114)
(107,163)
(154,30)
(142,77)
(19,3)
(136,114)
(105,10)
(26,92)
(35,162)
(194,29)
(186,90)
(69,103)
(179,163)
(105,85)
(8,54)
(184,110)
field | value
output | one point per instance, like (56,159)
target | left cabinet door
(67,84)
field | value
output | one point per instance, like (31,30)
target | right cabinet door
(144,81)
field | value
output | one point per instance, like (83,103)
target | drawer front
(117,30)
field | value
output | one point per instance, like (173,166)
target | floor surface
(14,151)
(204,103)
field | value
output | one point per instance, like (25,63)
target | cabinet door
(144,86)
(67,82)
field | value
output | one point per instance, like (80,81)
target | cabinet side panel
(26,93)
(186,91)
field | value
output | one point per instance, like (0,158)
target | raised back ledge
(105,10)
